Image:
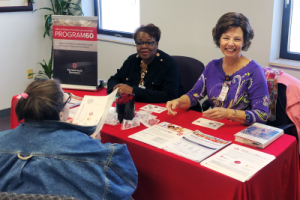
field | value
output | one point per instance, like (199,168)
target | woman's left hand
(123,89)
(216,113)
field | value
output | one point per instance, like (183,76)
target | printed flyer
(238,162)
(75,49)
(160,134)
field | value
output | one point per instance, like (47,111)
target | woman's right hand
(171,106)
(123,89)
(183,103)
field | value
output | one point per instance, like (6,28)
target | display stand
(75,52)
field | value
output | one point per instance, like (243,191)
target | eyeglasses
(68,100)
(148,44)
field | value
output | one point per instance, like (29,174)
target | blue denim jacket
(59,158)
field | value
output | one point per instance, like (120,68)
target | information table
(163,175)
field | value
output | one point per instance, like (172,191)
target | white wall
(186,30)
(22,46)
(187,25)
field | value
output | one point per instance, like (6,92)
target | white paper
(153,108)
(238,162)
(208,123)
(93,110)
(196,146)
(159,135)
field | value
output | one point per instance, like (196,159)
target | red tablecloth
(163,175)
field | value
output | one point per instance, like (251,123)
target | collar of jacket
(56,125)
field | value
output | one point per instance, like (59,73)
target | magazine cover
(265,133)
(258,135)
(75,50)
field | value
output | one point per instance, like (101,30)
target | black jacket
(162,80)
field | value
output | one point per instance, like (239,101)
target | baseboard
(5,113)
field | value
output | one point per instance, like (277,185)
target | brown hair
(44,101)
(233,20)
(151,29)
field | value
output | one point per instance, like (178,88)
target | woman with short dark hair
(233,20)
(235,85)
(150,74)
(47,155)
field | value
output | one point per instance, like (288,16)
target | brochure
(153,108)
(208,123)
(238,162)
(258,135)
(196,146)
(93,110)
(160,134)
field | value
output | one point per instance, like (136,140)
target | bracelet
(234,115)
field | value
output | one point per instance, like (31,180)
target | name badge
(224,92)
(141,86)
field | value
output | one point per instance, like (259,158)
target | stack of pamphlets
(195,146)
(238,162)
(258,135)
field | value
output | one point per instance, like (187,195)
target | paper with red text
(159,135)
(196,146)
(75,50)
(93,110)
(238,162)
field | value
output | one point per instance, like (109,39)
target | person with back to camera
(48,155)
(150,74)
(235,85)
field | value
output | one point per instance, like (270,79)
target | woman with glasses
(235,85)
(150,74)
(47,155)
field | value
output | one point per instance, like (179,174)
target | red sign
(75,33)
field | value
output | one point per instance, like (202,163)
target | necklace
(143,74)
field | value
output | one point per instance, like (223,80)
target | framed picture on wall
(15,5)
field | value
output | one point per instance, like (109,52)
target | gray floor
(4,123)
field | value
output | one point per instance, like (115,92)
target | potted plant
(58,7)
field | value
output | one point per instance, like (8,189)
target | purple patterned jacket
(248,90)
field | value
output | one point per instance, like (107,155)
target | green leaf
(45,8)
(47,68)
(77,7)
(48,24)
